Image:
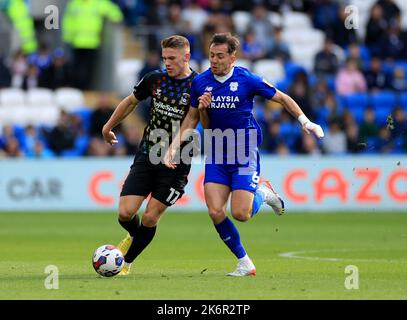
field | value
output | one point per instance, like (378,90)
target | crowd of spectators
(346,69)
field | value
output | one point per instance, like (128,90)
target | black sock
(141,239)
(132,225)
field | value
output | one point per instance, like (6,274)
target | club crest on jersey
(233,86)
(158,93)
(185,99)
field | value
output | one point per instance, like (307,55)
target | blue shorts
(236,176)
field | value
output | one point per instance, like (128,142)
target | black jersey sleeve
(142,90)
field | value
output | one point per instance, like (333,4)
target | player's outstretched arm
(124,108)
(190,122)
(294,109)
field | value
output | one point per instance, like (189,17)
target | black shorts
(164,184)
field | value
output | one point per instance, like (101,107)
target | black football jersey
(170,100)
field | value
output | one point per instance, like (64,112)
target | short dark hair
(177,42)
(226,38)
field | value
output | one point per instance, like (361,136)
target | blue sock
(257,202)
(230,236)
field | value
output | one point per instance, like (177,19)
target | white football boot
(271,197)
(245,267)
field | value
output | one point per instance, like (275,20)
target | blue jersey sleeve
(262,87)
(194,94)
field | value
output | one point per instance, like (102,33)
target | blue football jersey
(232,100)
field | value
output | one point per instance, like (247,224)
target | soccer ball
(107,260)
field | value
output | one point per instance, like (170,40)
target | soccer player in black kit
(169,91)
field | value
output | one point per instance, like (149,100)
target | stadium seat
(241,20)
(296,20)
(16,115)
(383,99)
(127,71)
(272,70)
(357,101)
(85,115)
(43,115)
(12,97)
(69,98)
(40,97)
(403,100)
(275,19)
(291,69)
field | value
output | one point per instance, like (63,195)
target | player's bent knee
(217,216)
(241,215)
(150,219)
(125,215)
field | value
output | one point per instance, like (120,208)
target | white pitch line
(299,255)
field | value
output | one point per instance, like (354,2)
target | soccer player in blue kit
(226,92)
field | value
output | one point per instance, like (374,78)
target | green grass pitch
(298,256)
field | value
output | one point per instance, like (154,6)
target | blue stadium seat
(291,69)
(403,100)
(383,103)
(357,100)
(85,115)
(283,85)
(385,99)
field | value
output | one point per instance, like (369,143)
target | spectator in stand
(279,48)
(354,53)
(391,11)
(399,128)
(30,80)
(350,79)
(368,128)
(98,148)
(30,136)
(274,138)
(62,136)
(42,58)
(352,138)
(339,33)
(195,15)
(306,144)
(334,141)
(132,138)
(58,74)
(376,78)
(326,61)
(82,26)
(262,28)
(300,91)
(319,93)
(384,143)
(100,115)
(19,68)
(324,13)
(399,80)
(5,74)
(12,148)
(394,44)
(251,49)
(175,23)
(151,63)
(375,29)
(40,151)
